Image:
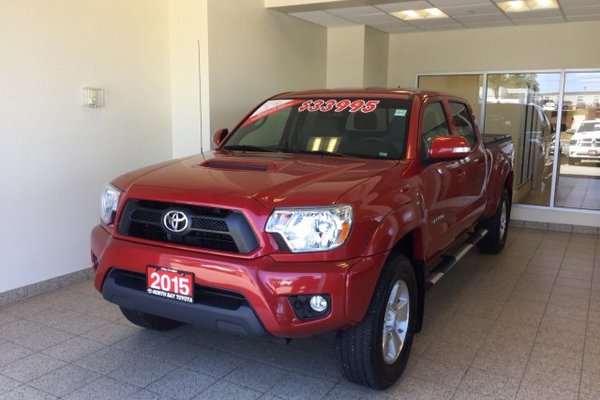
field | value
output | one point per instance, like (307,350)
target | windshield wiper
(247,147)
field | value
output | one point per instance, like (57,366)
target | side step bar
(450,260)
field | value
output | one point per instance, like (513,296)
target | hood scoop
(235,165)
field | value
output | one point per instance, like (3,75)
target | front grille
(209,228)
(202,294)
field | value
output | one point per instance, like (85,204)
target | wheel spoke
(403,309)
(397,339)
(395,322)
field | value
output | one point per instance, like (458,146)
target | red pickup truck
(321,211)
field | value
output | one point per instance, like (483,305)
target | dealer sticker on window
(170,283)
(364,106)
(268,108)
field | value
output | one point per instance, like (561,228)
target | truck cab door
(474,166)
(442,181)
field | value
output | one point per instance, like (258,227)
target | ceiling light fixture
(426,13)
(527,5)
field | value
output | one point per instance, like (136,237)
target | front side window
(463,123)
(434,124)
(366,127)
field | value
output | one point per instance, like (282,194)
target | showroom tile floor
(521,325)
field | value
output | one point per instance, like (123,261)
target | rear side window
(434,124)
(463,123)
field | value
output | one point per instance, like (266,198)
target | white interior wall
(376,58)
(57,154)
(514,48)
(190,86)
(346,57)
(255,53)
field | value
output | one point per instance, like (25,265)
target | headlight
(312,229)
(108,204)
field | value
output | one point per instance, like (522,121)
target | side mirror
(449,148)
(219,135)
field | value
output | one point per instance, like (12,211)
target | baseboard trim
(547,226)
(34,289)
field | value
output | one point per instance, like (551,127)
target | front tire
(148,321)
(375,352)
(497,226)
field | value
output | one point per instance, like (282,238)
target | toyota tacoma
(321,211)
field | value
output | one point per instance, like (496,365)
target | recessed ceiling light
(426,13)
(527,5)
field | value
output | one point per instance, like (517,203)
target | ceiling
(462,14)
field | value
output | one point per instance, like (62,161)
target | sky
(574,82)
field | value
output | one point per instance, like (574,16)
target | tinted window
(434,124)
(463,123)
(373,128)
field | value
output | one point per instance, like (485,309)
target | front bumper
(263,285)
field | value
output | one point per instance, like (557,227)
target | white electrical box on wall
(93,97)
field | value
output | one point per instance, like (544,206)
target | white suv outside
(585,143)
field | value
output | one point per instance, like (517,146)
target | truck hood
(274,180)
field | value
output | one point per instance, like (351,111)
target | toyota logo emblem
(176,221)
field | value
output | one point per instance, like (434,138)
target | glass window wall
(541,117)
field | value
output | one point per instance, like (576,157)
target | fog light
(311,306)
(318,304)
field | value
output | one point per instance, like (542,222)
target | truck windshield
(366,127)
(593,126)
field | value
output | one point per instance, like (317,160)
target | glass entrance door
(578,183)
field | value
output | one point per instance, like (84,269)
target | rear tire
(497,226)
(375,352)
(149,321)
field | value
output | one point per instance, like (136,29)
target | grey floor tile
(437,371)
(73,349)
(182,384)
(141,371)
(6,318)
(175,352)
(215,363)
(345,390)
(81,324)
(561,339)
(105,360)
(591,363)
(110,333)
(52,317)
(64,380)
(519,313)
(257,376)
(228,391)
(10,352)
(26,393)
(489,384)
(103,388)
(534,391)
(43,338)
(147,395)
(414,388)
(7,384)
(19,328)
(31,367)
(143,341)
(299,387)
(590,385)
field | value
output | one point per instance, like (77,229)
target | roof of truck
(371,92)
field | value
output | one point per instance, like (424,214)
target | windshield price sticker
(170,283)
(364,106)
(268,108)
